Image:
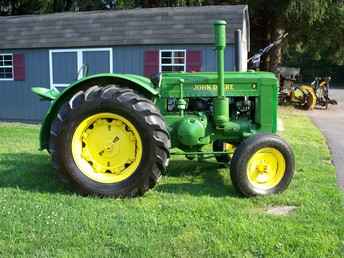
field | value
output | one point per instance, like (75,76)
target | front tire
(109,141)
(262,164)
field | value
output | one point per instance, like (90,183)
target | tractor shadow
(198,178)
(34,172)
(30,172)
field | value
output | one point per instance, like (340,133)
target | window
(6,67)
(172,61)
(69,65)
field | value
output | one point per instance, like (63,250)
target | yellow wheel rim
(106,148)
(266,168)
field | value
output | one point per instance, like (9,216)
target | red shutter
(19,67)
(151,62)
(193,61)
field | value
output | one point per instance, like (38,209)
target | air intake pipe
(221,103)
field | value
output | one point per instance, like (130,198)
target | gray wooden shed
(49,50)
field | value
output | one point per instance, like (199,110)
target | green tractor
(111,134)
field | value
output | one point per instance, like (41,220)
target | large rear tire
(262,164)
(110,141)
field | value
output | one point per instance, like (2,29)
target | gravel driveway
(331,124)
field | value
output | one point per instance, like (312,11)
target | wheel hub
(266,168)
(107,147)
(103,142)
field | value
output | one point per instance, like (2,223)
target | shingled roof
(188,25)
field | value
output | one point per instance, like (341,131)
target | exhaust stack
(238,51)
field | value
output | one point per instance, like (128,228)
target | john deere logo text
(211,87)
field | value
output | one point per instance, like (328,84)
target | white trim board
(79,52)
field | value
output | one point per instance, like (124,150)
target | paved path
(331,124)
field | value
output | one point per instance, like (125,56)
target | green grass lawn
(193,212)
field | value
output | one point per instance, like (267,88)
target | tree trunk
(276,55)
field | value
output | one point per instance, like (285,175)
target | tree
(322,40)
(51,6)
(299,18)
(19,7)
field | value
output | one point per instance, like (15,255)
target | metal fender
(139,83)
